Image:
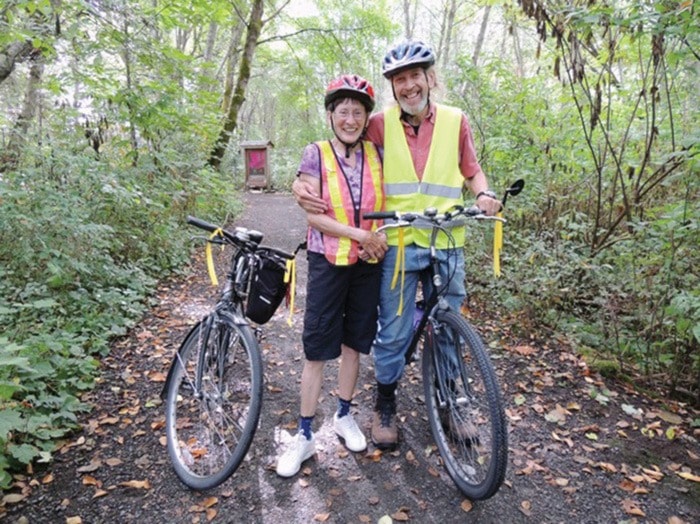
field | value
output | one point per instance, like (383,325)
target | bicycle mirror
(515,188)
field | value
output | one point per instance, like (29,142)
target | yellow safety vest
(335,190)
(441,186)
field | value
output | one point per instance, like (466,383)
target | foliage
(82,244)
(599,116)
(592,252)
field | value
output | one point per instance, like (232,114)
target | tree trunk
(10,157)
(231,63)
(520,67)
(129,104)
(482,33)
(10,55)
(253,33)
(409,21)
(449,27)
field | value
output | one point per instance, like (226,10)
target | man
(429,157)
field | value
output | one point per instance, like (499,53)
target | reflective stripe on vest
(335,190)
(441,186)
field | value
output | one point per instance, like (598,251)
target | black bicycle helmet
(350,86)
(406,55)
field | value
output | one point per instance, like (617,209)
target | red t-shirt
(419,143)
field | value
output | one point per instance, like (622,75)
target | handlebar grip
(201,224)
(379,215)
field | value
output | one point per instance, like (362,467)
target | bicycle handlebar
(430,215)
(242,237)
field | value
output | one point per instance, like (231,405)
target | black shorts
(341,307)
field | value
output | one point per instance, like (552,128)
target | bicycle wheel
(464,404)
(213,401)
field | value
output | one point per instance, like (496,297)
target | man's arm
(307,196)
(474,177)
(477,184)
(372,244)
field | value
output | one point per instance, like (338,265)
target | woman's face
(349,119)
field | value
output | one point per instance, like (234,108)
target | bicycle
(213,391)
(460,386)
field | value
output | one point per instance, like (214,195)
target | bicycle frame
(434,300)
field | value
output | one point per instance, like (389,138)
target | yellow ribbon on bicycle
(290,277)
(210,260)
(497,244)
(400,265)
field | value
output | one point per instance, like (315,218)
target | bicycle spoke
(464,406)
(213,409)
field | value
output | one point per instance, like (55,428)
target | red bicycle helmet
(350,86)
(406,55)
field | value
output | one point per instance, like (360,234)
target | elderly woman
(343,254)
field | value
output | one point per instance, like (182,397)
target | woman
(343,254)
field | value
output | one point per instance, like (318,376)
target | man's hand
(490,206)
(373,246)
(307,198)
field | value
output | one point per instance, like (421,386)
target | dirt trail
(572,458)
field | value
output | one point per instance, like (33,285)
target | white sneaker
(299,450)
(347,428)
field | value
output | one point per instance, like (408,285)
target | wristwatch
(487,193)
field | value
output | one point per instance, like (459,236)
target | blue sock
(343,407)
(305,426)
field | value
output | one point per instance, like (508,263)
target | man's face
(411,89)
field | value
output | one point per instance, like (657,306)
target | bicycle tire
(210,427)
(465,410)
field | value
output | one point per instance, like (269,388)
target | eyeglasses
(344,114)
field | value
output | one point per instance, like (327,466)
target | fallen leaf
(13,498)
(630,507)
(401,516)
(210,501)
(466,505)
(606,466)
(89,480)
(113,462)
(671,418)
(211,514)
(156,376)
(524,350)
(688,476)
(74,520)
(137,484)
(99,493)
(322,517)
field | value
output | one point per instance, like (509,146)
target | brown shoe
(385,434)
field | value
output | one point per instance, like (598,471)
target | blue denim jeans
(395,331)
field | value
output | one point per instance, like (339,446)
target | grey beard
(413,112)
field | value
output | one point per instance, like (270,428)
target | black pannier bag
(267,289)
